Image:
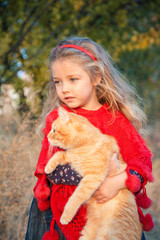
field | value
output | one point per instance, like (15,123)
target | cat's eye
(54,130)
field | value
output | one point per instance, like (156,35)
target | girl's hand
(110,187)
(114,165)
(111,184)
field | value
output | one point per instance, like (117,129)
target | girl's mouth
(69,99)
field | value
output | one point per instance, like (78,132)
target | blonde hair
(113,88)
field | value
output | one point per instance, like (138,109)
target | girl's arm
(133,149)
(138,159)
(110,187)
(112,184)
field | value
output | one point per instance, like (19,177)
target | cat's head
(69,130)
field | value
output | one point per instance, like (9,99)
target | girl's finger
(103,200)
(99,196)
(97,193)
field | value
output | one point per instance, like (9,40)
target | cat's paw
(48,169)
(65,219)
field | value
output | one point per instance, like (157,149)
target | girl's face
(73,85)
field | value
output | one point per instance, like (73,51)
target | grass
(19,150)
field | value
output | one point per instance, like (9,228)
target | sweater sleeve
(133,148)
(46,151)
(138,158)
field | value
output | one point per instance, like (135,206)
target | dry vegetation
(19,149)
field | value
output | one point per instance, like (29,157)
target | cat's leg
(105,235)
(106,231)
(90,229)
(83,192)
(120,234)
(120,219)
(58,158)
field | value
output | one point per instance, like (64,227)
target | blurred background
(29,29)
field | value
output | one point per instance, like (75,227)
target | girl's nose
(65,88)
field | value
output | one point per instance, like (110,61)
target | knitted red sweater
(132,148)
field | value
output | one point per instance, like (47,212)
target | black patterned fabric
(64,174)
(133,172)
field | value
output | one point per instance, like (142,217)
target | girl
(85,80)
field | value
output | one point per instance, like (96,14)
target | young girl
(84,80)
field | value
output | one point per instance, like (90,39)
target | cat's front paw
(48,169)
(65,219)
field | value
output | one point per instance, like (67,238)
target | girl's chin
(72,105)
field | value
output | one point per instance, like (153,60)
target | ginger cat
(89,152)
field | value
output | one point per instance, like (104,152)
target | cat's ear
(63,114)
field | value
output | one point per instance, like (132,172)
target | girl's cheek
(58,90)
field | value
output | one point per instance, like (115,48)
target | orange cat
(89,152)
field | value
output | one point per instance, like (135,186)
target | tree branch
(27,19)
(21,37)
(62,26)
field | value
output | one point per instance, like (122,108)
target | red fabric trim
(146,220)
(132,182)
(144,172)
(59,197)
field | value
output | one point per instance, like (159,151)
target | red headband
(79,48)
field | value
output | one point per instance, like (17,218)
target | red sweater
(132,146)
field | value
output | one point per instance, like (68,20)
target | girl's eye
(57,82)
(73,79)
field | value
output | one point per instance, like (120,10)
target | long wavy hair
(113,87)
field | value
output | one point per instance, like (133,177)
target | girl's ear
(97,81)
(63,114)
